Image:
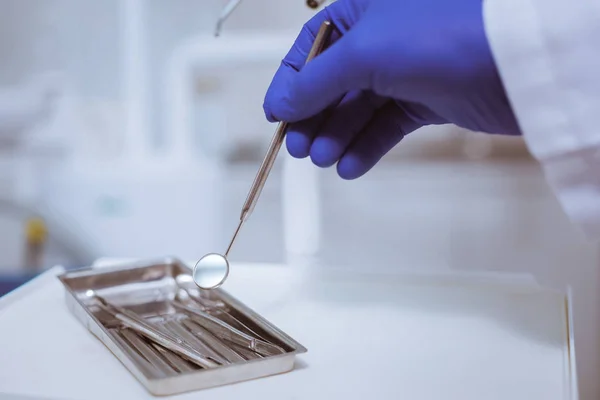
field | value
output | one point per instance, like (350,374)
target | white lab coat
(548,54)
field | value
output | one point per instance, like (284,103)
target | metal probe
(225,13)
(265,168)
(212,270)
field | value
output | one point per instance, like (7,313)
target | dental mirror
(211,271)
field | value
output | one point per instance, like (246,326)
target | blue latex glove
(393,67)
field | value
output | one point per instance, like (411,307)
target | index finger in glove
(343,15)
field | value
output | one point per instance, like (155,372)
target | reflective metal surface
(152,333)
(172,336)
(211,271)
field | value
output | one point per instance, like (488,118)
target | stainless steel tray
(241,343)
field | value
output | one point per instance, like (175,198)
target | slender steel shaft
(278,138)
(225,13)
(234,236)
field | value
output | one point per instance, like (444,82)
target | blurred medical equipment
(31,238)
(144,117)
(211,270)
(24,106)
(117,181)
(25,112)
(233,4)
(225,13)
(41,230)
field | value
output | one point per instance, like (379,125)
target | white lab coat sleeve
(548,56)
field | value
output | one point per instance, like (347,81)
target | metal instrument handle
(279,136)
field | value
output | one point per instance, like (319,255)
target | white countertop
(383,339)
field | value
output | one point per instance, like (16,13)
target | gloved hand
(393,67)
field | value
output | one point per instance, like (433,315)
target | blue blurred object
(10,282)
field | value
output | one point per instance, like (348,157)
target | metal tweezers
(226,332)
(168,341)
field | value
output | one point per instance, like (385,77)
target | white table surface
(365,339)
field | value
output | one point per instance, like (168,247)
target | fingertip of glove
(350,168)
(321,161)
(298,145)
(324,152)
(277,107)
(268,113)
(272,99)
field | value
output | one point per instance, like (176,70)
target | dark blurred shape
(314,3)
(10,282)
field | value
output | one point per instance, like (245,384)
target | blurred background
(128,130)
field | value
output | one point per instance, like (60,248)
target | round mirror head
(211,271)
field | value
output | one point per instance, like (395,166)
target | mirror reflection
(211,271)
